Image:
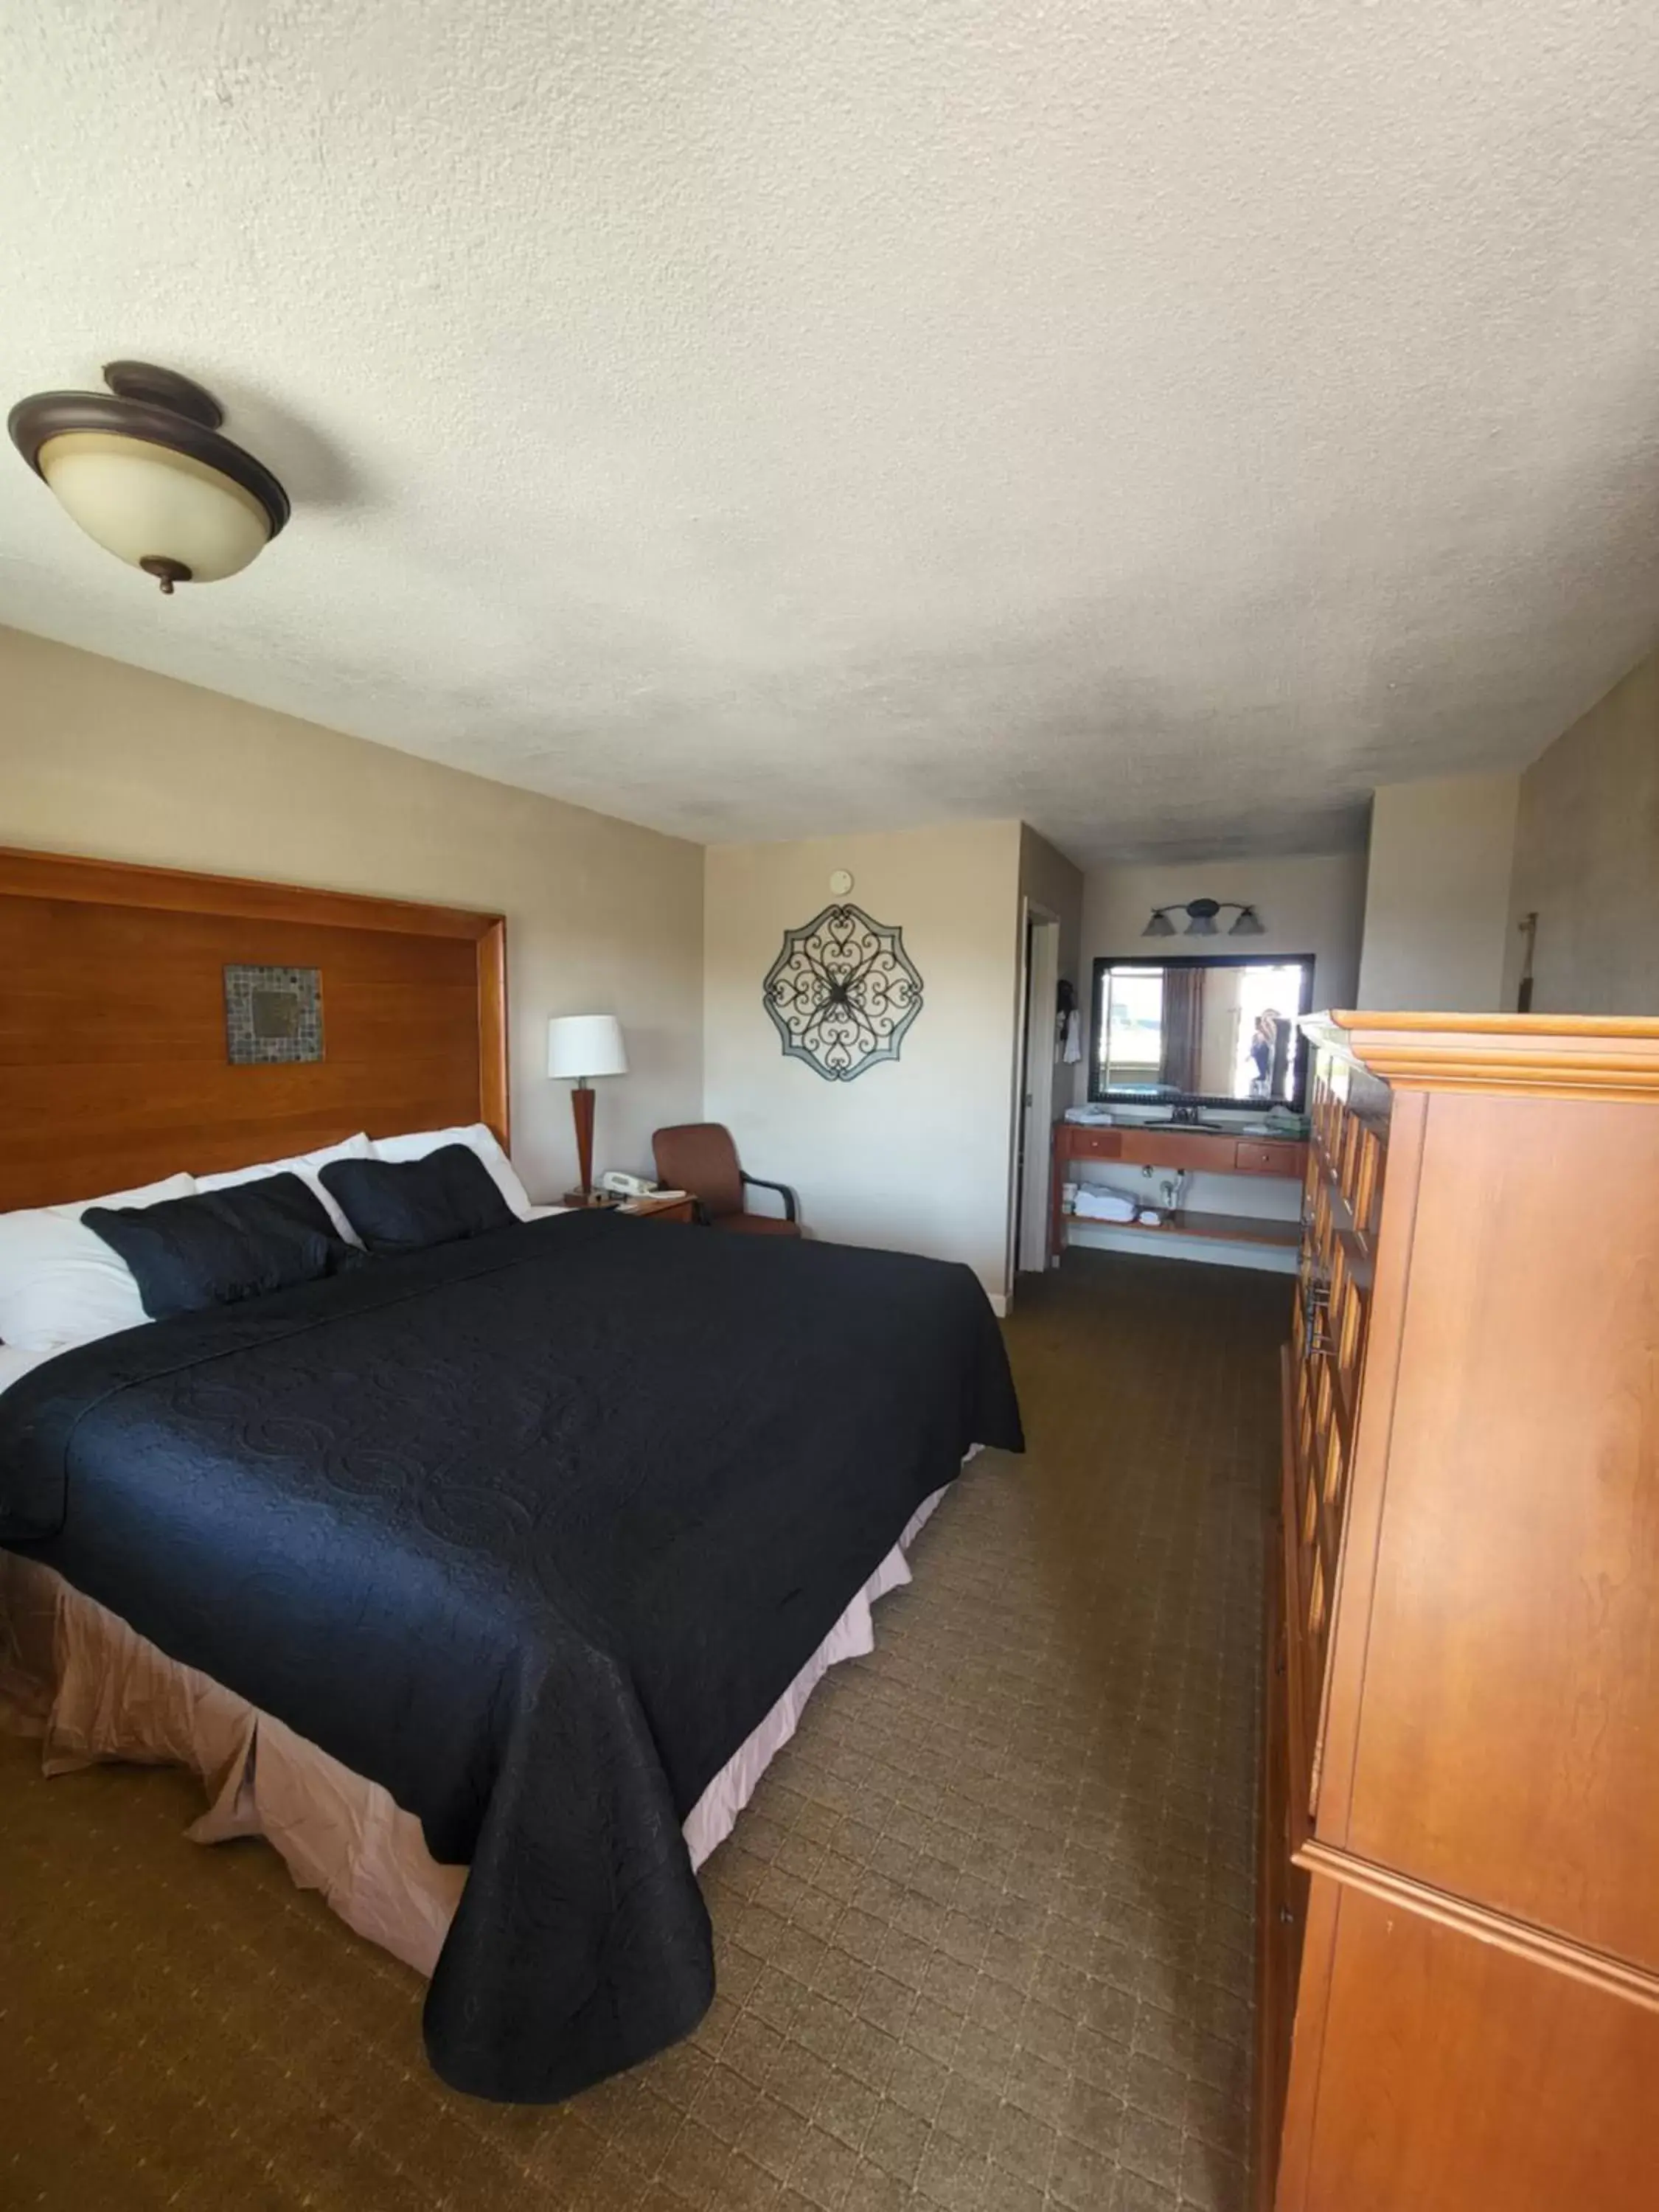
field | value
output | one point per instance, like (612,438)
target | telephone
(625,1186)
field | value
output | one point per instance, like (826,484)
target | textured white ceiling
(1164,420)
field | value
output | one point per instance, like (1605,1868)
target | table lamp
(580,1047)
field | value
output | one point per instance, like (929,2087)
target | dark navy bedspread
(533,1530)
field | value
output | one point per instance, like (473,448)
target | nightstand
(672,1206)
(682,1206)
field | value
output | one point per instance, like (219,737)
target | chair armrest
(790,1212)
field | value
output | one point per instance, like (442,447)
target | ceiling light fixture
(144,472)
(1200,915)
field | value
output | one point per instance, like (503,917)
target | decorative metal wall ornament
(272,1015)
(843,993)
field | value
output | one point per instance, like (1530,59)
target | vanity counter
(1200,1151)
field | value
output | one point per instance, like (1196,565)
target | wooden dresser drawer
(1195,1150)
(1267,1156)
(1094,1144)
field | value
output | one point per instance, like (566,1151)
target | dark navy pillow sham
(220,1246)
(404,1205)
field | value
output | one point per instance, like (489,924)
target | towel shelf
(1219,1227)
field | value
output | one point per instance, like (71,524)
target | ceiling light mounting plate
(163,387)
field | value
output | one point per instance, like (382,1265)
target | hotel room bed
(537,1533)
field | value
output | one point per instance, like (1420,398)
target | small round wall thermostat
(841,883)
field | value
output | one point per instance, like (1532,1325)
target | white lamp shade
(143,502)
(581,1045)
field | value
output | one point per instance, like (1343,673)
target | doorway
(1034,1092)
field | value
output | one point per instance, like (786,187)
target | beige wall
(915,1153)
(1437,894)
(1049,879)
(1308,903)
(1586,860)
(100,758)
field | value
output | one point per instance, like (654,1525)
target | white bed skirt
(76,1675)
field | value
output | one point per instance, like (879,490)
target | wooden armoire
(1459,1971)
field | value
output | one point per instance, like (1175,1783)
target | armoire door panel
(1454,2075)
(1505,1747)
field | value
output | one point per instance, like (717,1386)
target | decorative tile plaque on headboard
(273,1014)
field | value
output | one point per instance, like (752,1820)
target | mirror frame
(1105,1095)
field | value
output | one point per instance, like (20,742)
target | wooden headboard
(114,1068)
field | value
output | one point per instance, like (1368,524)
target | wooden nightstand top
(671,1206)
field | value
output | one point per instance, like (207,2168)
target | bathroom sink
(1161,1122)
(1205,1127)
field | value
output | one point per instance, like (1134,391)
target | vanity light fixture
(1200,915)
(143,469)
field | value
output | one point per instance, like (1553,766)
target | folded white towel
(1103,1206)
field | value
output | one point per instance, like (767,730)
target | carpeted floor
(984,1936)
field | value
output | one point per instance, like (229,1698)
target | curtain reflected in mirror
(1219,1031)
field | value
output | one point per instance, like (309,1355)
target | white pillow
(304,1166)
(15,1366)
(60,1282)
(422,1141)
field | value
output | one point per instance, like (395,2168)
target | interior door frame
(1033,1142)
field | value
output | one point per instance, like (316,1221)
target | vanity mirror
(1216,1032)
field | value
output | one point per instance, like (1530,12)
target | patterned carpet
(984,1937)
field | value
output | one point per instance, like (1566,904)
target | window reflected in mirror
(1218,1031)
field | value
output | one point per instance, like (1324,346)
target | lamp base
(582,1113)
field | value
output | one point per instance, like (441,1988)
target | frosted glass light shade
(581,1045)
(143,502)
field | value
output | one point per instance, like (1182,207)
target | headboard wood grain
(113,1063)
